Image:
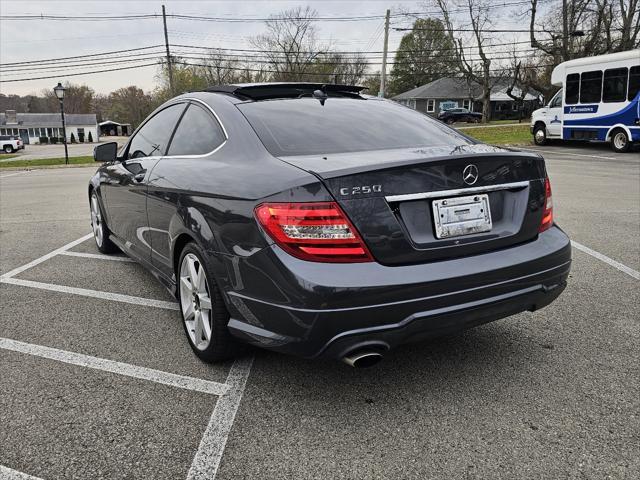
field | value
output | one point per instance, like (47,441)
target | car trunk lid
(389,196)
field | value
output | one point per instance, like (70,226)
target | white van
(599,100)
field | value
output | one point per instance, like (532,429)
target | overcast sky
(46,39)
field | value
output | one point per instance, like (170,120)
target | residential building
(455,92)
(32,127)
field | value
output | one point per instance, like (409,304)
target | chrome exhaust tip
(362,359)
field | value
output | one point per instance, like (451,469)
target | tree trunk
(486,105)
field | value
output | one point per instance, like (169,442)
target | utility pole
(166,43)
(383,74)
(565,32)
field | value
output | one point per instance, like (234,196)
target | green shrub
(53,140)
(73,138)
(43,140)
(90,140)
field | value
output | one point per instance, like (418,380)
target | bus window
(573,87)
(614,86)
(591,87)
(634,82)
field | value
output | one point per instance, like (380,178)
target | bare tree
(584,28)
(291,44)
(219,70)
(479,15)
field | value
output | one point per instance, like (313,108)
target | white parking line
(620,266)
(97,256)
(561,152)
(207,459)
(44,258)
(13,174)
(111,366)
(85,292)
(7,473)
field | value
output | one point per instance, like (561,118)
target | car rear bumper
(328,310)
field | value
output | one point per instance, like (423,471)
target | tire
(8,149)
(620,141)
(100,230)
(206,328)
(540,135)
(449,121)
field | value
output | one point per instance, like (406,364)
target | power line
(51,60)
(76,74)
(146,16)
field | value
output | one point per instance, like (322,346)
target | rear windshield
(305,127)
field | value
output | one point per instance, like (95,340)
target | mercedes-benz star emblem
(470,174)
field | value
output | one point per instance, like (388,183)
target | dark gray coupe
(313,220)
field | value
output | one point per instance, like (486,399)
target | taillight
(318,231)
(547,212)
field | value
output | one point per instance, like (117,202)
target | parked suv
(459,115)
(11,143)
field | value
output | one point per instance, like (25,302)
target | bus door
(554,116)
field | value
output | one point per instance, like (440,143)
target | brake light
(318,231)
(547,212)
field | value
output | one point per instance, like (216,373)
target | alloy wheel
(96,220)
(540,136)
(195,301)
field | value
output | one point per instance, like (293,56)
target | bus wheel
(540,135)
(620,141)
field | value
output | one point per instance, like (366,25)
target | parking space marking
(44,258)
(85,292)
(207,459)
(620,266)
(10,474)
(13,174)
(97,256)
(112,366)
(566,153)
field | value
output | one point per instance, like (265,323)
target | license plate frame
(460,216)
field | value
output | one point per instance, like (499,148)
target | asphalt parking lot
(98,381)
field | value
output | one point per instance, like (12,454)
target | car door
(553,116)
(126,187)
(198,135)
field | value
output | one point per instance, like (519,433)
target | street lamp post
(59,91)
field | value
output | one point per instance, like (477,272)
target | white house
(31,127)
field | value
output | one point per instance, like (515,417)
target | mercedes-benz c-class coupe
(317,221)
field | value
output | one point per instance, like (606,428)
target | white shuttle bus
(599,100)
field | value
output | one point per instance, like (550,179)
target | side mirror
(106,152)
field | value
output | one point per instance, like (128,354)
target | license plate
(458,216)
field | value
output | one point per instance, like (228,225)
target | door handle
(139,177)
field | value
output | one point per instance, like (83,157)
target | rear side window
(153,137)
(614,85)
(634,82)
(305,127)
(591,87)
(198,133)
(573,88)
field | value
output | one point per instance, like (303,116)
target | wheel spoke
(206,326)
(189,312)
(193,274)
(198,328)
(205,302)
(185,282)
(201,281)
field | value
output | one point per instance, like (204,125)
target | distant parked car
(10,143)
(459,115)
